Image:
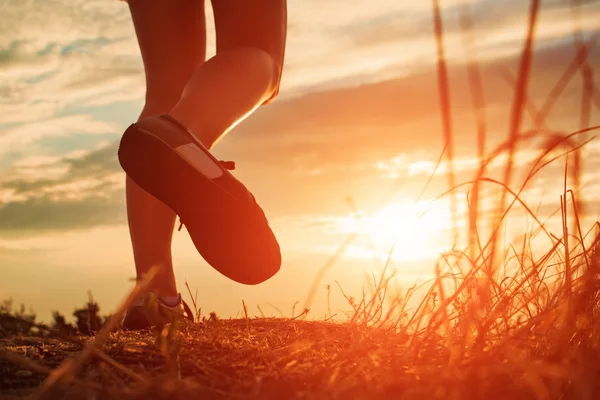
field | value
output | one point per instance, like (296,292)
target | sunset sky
(357,117)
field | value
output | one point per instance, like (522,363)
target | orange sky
(357,117)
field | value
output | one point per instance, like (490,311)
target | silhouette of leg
(243,75)
(172,40)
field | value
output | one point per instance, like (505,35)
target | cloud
(59,54)
(78,191)
(84,52)
(40,86)
(365,123)
(334,142)
(379,43)
(329,143)
(21,136)
(44,213)
(360,88)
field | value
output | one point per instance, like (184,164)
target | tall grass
(498,320)
(534,311)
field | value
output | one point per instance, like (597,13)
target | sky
(356,128)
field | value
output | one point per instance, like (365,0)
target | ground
(269,358)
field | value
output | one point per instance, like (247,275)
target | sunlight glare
(417,229)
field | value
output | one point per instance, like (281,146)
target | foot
(227,226)
(152,312)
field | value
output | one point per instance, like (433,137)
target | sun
(413,229)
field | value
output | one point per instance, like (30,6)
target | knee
(272,68)
(261,65)
(261,58)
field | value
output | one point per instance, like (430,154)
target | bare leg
(224,91)
(243,75)
(172,40)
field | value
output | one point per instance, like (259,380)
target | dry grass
(538,357)
(520,325)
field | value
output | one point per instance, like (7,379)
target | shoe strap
(230,165)
(178,304)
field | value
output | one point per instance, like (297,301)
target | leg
(226,224)
(172,40)
(244,74)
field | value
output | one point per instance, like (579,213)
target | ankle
(169,301)
(163,283)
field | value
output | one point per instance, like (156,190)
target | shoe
(222,217)
(154,313)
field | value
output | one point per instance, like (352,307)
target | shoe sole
(245,257)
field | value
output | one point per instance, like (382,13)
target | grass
(522,324)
